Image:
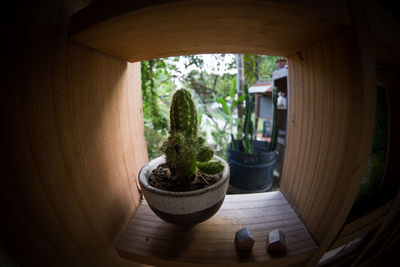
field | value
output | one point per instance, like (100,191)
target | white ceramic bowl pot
(184,208)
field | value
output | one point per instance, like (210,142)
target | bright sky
(210,65)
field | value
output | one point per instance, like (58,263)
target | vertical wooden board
(330,130)
(72,143)
(135,114)
(389,77)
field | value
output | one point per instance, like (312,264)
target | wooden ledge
(148,239)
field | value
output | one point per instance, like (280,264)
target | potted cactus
(188,184)
(252,162)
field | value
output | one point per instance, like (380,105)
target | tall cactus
(183,114)
(248,128)
(184,151)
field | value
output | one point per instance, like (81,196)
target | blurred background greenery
(212,81)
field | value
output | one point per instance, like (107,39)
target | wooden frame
(72,127)
(330,115)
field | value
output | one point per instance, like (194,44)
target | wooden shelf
(148,239)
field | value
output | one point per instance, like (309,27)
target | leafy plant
(156,88)
(258,68)
(247,136)
(185,152)
(228,108)
(212,84)
(248,125)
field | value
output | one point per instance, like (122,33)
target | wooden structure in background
(280,79)
(263,104)
(72,129)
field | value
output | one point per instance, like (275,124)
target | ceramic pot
(184,208)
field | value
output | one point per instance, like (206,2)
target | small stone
(244,240)
(276,245)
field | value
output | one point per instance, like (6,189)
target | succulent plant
(248,128)
(185,152)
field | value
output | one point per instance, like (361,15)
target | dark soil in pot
(162,178)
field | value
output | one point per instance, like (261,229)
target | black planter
(251,172)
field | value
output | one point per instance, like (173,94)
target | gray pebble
(244,240)
(276,245)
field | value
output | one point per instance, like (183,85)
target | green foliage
(258,68)
(156,88)
(248,125)
(152,71)
(227,111)
(184,149)
(213,85)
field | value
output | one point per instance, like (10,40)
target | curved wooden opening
(330,120)
(135,32)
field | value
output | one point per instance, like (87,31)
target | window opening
(221,85)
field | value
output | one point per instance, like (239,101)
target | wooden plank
(360,232)
(330,131)
(361,222)
(329,135)
(388,224)
(385,33)
(72,121)
(389,78)
(169,28)
(150,240)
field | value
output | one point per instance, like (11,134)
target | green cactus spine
(184,151)
(211,167)
(183,114)
(248,128)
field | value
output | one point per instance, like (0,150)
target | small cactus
(205,154)
(210,167)
(184,151)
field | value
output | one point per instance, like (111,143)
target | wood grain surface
(72,137)
(72,142)
(150,240)
(368,218)
(170,28)
(331,119)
